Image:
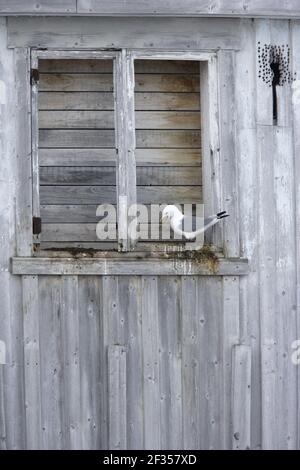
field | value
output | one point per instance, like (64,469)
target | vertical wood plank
(151,360)
(241,397)
(2,411)
(295,34)
(70,338)
(263,90)
(285,295)
(210,139)
(23,150)
(246,76)
(267,266)
(210,307)
(32,362)
(169,311)
(111,333)
(280,35)
(52,370)
(35,145)
(125,143)
(117,397)
(229,332)
(191,374)
(130,305)
(228,155)
(91,373)
(10,286)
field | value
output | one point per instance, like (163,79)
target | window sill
(140,264)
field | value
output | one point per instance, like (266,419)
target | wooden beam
(241,8)
(125,144)
(162,33)
(37,7)
(227,8)
(23,151)
(135,266)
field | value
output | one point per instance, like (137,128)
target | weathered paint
(178,345)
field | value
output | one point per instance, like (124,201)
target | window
(113,129)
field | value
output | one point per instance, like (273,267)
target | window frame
(123,75)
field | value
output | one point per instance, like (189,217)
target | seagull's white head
(170,212)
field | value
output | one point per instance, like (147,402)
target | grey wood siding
(167,117)
(159,356)
(84,186)
(79,328)
(241,8)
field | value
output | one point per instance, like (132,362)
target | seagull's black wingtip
(222,215)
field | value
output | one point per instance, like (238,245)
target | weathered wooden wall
(242,8)
(216,350)
(77,141)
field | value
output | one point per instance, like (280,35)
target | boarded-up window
(76,147)
(77,143)
(168,142)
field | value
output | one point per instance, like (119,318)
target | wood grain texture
(151,176)
(241,397)
(101,195)
(94,33)
(106,66)
(134,8)
(105,120)
(117,397)
(13,425)
(71,363)
(175,83)
(23,151)
(104,101)
(107,157)
(295,37)
(32,362)
(42,7)
(52,372)
(191,7)
(248,202)
(106,139)
(55,266)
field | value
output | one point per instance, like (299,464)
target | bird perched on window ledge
(178,222)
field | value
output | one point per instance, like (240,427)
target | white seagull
(178,221)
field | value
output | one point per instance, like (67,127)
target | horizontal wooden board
(107,157)
(76,82)
(242,8)
(106,120)
(104,82)
(106,66)
(146,176)
(76,100)
(86,213)
(96,32)
(107,267)
(182,83)
(54,214)
(105,101)
(65,249)
(106,139)
(87,233)
(39,7)
(100,194)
